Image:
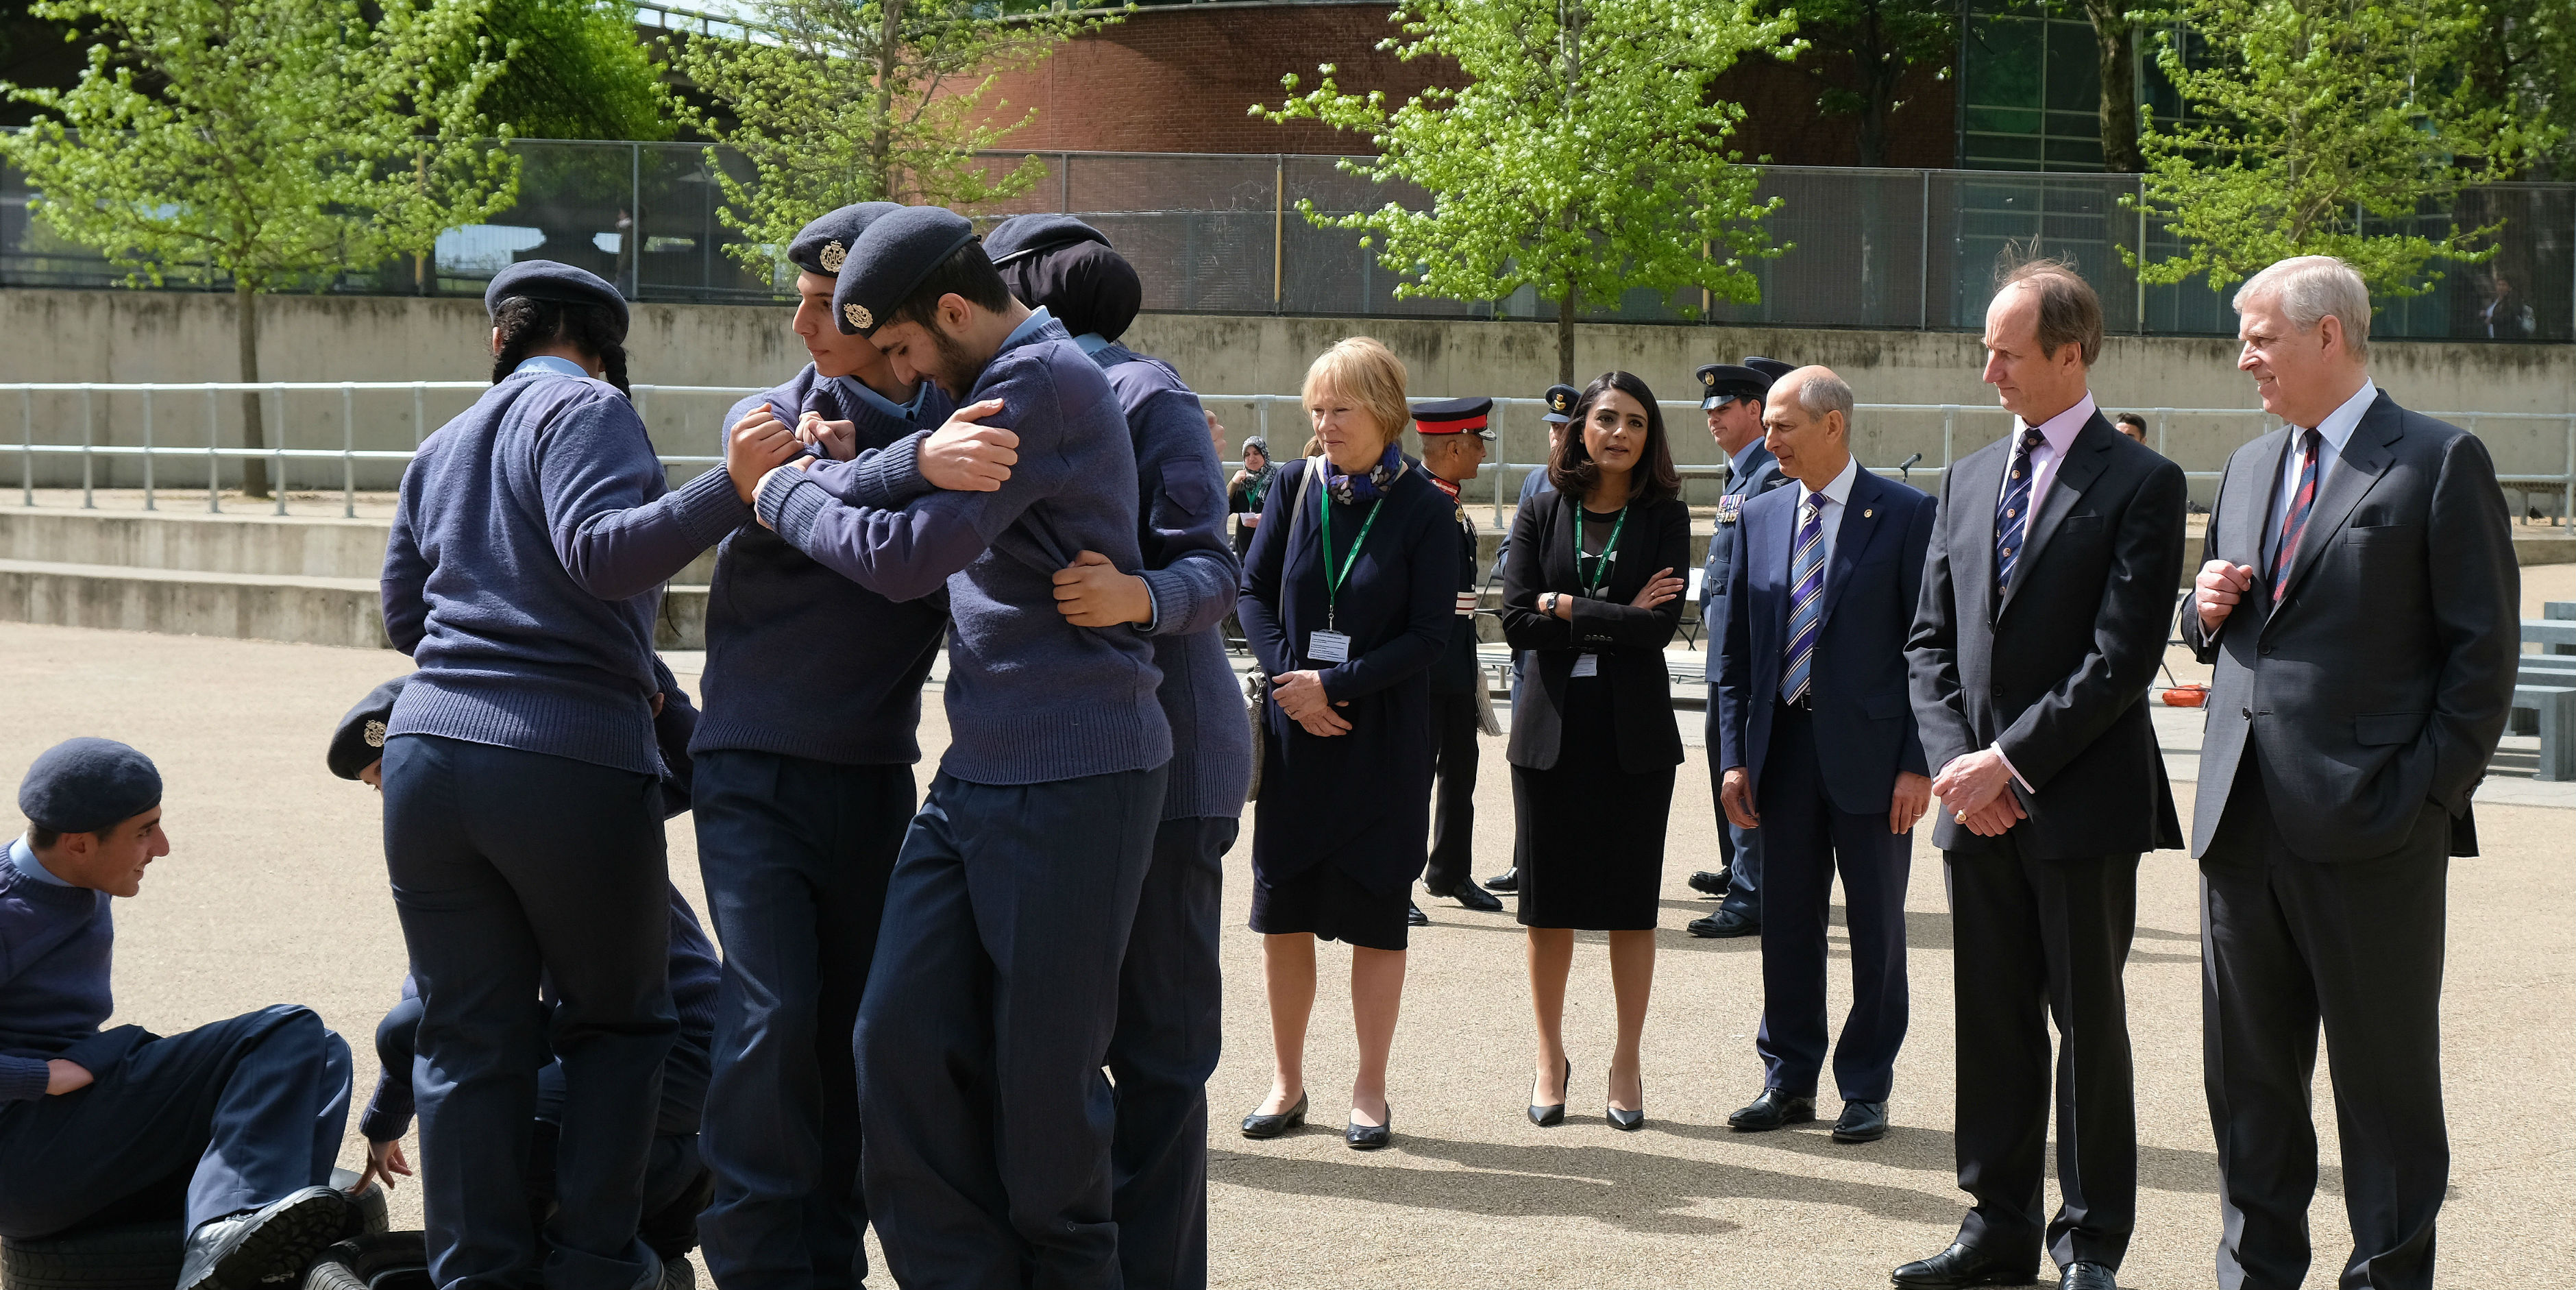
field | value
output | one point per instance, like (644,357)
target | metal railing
(1960,425)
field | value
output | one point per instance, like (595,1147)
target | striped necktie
(2012,515)
(2294,521)
(1806,601)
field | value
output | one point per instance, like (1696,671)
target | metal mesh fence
(1894,249)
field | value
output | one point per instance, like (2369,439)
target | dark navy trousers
(988,1018)
(243,1112)
(1170,1013)
(1805,839)
(508,865)
(795,854)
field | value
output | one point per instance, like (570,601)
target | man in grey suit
(1732,396)
(2359,597)
(2045,602)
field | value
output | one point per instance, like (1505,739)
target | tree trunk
(2113,37)
(1878,87)
(1565,337)
(881,145)
(246,334)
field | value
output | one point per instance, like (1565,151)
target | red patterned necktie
(2294,522)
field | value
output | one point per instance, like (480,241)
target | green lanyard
(1333,581)
(1601,562)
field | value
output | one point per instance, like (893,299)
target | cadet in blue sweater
(803,790)
(523,813)
(996,978)
(1170,995)
(91,1121)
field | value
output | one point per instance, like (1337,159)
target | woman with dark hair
(1249,490)
(522,781)
(1590,588)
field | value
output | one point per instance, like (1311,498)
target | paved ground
(276,893)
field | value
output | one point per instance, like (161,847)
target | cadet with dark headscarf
(1169,994)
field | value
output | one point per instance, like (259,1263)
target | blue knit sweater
(1031,698)
(56,944)
(801,661)
(525,570)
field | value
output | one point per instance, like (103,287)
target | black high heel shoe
(1629,1121)
(1547,1116)
(1271,1126)
(1370,1137)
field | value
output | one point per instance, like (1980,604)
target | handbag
(1256,683)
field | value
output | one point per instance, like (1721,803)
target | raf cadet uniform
(1460,709)
(1751,472)
(995,990)
(802,792)
(1170,994)
(1560,401)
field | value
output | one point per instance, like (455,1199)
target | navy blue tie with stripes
(2012,515)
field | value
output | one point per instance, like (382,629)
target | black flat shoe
(1709,883)
(1370,1137)
(1549,1116)
(1508,881)
(1271,1126)
(1467,893)
(1723,923)
(1774,1109)
(1628,1121)
(1959,1267)
(2088,1276)
(1861,1122)
(276,1242)
(1414,917)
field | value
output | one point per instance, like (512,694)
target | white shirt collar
(555,363)
(2339,424)
(2060,430)
(24,857)
(1836,490)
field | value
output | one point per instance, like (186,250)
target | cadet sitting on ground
(244,1116)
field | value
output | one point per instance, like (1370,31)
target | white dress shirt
(1829,516)
(2058,436)
(2333,434)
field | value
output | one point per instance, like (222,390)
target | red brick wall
(1179,78)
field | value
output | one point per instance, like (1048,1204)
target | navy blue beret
(1560,403)
(85,785)
(551,280)
(822,246)
(360,740)
(1719,382)
(1068,267)
(891,258)
(1770,367)
(1454,416)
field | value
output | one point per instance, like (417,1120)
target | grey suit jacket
(2056,674)
(2381,680)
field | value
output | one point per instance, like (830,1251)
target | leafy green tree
(2523,63)
(2320,127)
(575,70)
(846,101)
(2115,34)
(1885,39)
(1586,157)
(267,142)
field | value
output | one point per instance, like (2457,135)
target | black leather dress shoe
(1414,917)
(1508,881)
(2087,1276)
(1723,923)
(1553,1114)
(274,1243)
(1959,1267)
(1861,1122)
(1370,1137)
(1712,884)
(1774,1109)
(1628,1121)
(1271,1126)
(1467,893)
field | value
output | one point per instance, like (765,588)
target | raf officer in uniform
(1454,433)
(1732,394)
(1560,401)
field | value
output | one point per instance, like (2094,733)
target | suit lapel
(1980,483)
(2364,457)
(2085,459)
(1851,538)
(1767,543)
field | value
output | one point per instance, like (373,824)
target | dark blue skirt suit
(1340,831)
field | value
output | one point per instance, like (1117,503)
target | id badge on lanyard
(1330,645)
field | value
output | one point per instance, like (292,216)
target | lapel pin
(1867,512)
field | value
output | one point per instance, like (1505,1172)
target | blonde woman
(1349,595)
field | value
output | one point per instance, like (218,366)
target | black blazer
(2383,679)
(2057,674)
(1399,608)
(1864,722)
(1630,641)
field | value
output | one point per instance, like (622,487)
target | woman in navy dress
(1349,595)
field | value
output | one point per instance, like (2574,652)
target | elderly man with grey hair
(2358,596)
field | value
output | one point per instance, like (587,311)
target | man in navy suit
(1731,395)
(1817,740)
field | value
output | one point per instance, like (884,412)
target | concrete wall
(166,336)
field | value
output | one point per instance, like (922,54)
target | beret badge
(375,734)
(859,316)
(1709,379)
(832,256)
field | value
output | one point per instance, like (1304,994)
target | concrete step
(291,545)
(245,606)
